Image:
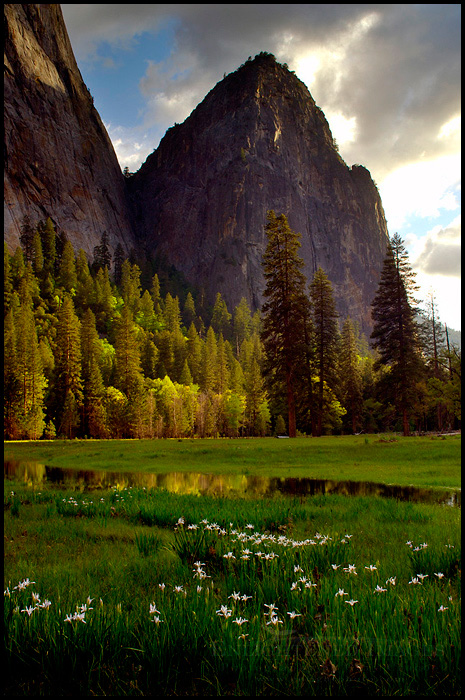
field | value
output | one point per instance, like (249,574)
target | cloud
(422,188)
(392,72)
(387,77)
(440,253)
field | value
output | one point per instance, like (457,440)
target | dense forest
(106,348)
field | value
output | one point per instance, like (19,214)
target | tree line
(92,350)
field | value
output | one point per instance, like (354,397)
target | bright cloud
(421,189)
(450,128)
(440,251)
(342,128)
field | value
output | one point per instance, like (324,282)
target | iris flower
(224,611)
(240,621)
(341,592)
(272,607)
(29,610)
(274,620)
(351,569)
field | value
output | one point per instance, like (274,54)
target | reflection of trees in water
(195,483)
(28,472)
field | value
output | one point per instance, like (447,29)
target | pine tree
(155,294)
(102,254)
(208,366)
(93,410)
(29,371)
(221,369)
(350,375)
(146,316)
(242,324)
(194,353)
(148,356)
(179,354)
(188,314)
(37,254)
(67,373)
(84,282)
(103,301)
(67,278)
(326,337)
(286,310)
(186,376)
(394,329)
(128,369)
(11,379)
(26,238)
(130,286)
(172,313)
(69,416)
(165,354)
(221,318)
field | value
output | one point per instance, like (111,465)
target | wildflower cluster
(37,603)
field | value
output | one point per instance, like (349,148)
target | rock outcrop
(259,142)
(59,160)
(199,202)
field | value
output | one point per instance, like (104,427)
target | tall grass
(155,593)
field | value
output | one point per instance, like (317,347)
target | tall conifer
(394,328)
(67,373)
(326,337)
(285,311)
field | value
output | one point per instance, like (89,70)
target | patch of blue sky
(114,74)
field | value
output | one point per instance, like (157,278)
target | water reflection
(35,474)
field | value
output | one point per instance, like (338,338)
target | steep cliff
(59,160)
(259,142)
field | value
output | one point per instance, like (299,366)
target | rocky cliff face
(259,142)
(59,161)
(256,142)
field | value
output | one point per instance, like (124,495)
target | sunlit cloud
(440,251)
(421,189)
(342,128)
(450,128)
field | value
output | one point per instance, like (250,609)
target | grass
(428,461)
(112,628)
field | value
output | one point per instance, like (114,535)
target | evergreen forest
(105,348)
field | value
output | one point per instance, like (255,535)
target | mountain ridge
(257,142)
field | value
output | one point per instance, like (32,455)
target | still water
(201,484)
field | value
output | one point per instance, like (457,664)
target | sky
(387,78)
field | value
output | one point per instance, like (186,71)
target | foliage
(88,352)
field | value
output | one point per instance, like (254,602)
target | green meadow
(133,591)
(430,461)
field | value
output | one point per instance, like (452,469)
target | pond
(202,484)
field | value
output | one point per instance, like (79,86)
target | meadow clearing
(133,591)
